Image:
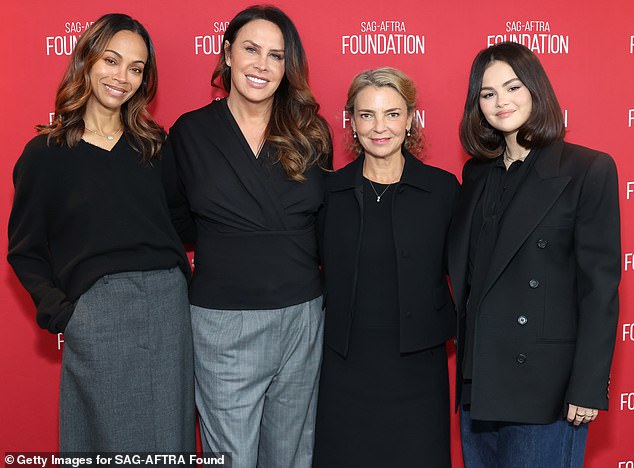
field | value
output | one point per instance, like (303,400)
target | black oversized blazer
(546,322)
(421,212)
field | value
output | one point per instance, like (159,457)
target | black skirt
(382,408)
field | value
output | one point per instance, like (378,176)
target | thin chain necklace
(107,137)
(259,150)
(378,196)
(508,158)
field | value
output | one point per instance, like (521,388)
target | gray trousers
(127,369)
(257,375)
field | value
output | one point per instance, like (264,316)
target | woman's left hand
(579,414)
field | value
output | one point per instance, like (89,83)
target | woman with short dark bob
(534,261)
(90,238)
(249,186)
(384,389)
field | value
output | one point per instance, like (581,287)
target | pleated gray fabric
(257,374)
(127,369)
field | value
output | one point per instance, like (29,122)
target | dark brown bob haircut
(143,134)
(300,134)
(546,122)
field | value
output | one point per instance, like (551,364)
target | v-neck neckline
(243,140)
(122,136)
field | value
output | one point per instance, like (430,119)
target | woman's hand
(579,414)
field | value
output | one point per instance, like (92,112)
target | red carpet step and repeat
(587,48)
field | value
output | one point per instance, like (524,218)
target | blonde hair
(399,82)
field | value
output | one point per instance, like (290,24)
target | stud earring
(354,134)
(409,133)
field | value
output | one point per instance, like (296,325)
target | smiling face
(505,101)
(256,58)
(118,74)
(381,121)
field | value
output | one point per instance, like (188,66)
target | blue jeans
(492,444)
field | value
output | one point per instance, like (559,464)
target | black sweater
(253,228)
(81,213)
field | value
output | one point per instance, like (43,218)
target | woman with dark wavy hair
(534,260)
(249,186)
(91,240)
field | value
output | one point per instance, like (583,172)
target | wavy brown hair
(143,134)
(544,125)
(300,134)
(399,82)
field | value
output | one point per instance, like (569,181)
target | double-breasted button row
(522,320)
(520,358)
(542,243)
(533,283)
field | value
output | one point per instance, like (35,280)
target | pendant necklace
(378,196)
(107,137)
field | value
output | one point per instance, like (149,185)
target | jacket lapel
(535,197)
(414,174)
(351,177)
(460,232)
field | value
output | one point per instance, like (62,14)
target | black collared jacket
(422,208)
(547,316)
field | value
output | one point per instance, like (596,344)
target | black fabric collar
(351,176)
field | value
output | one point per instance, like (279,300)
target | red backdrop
(586,47)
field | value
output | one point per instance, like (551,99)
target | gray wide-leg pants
(257,374)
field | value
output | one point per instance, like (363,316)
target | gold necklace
(107,137)
(508,158)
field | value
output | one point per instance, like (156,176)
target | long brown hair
(67,128)
(544,125)
(301,135)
